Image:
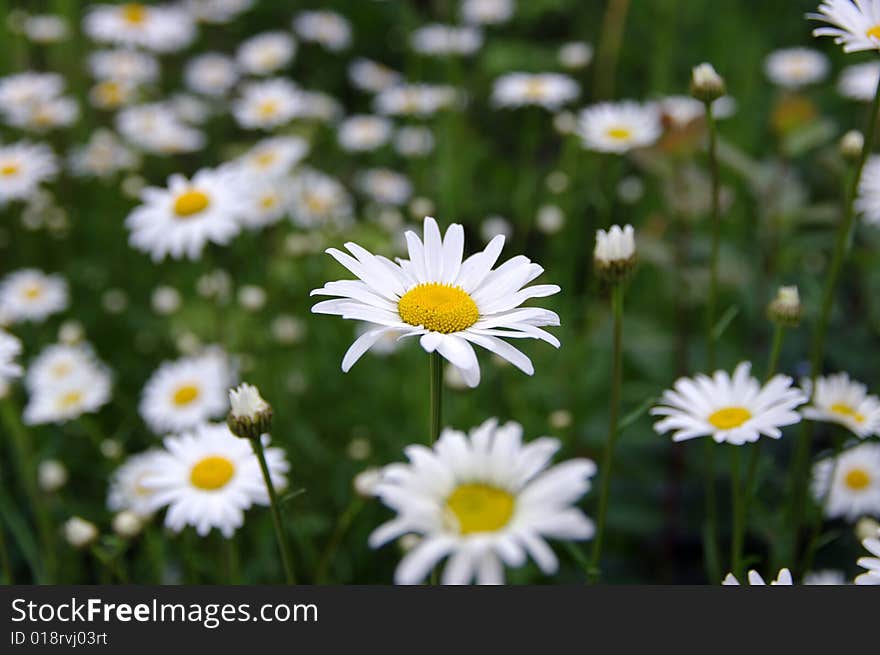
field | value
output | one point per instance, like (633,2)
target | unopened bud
(851,144)
(80,533)
(615,254)
(127,524)
(706,84)
(785,309)
(250,416)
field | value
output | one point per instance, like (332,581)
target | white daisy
(178,221)
(267,201)
(317,199)
(413,141)
(268,104)
(31,295)
(326,28)
(84,394)
(548,90)
(484,499)
(385,186)
(363,132)
(183,393)
(414,99)
(163,28)
(855,487)
(10,349)
(755,579)
(124,65)
(871,576)
(859,82)
(320,106)
(274,157)
(838,399)
(103,156)
(829,577)
(217,12)
(211,74)
(46,115)
(208,478)
(24,166)
(112,94)
(618,126)
(575,54)
(868,198)
(447,302)
(21,91)
(157,129)
(59,365)
(856,25)
(438,40)
(371,76)
(265,53)
(792,68)
(127,492)
(487,12)
(46,28)
(617,245)
(737,410)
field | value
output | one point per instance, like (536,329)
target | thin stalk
(775,349)
(594,571)
(813,543)
(342,525)
(613,25)
(738,533)
(436,397)
(275,506)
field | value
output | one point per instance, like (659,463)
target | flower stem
(257,445)
(775,349)
(739,516)
(594,571)
(436,397)
(613,24)
(813,543)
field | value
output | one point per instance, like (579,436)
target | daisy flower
(363,132)
(385,186)
(103,156)
(855,25)
(207,478)
(737,410)
(449,303)
(157,129)
(274,157)
(859,82)
(162,28)
(265,53)
(211,74)
(24,166)
(10,349)
(179,220)
(31,295)
(217,12)
(868,198)
(485,500)
(84,394)
(548,90)
(371,76)
(24,90)
(829,577)
(326,28)
(575,54)
(854,489)
(59,365)
(183,393)
(45,28)
(755,579)
(838,399)
(871,576)
(318,199)
(793,68)
(487,12)
(268,104)
(414,99)
(618,127)
(413,141)
(127,492)
(438,40)
(124,65)
(46,115)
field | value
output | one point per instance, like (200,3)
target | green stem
(436,397)
(342,525)
(738,538)
(275,506)
(813,543)
(775,349)
(594,571)
(613,24)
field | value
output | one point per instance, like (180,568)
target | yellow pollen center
(109,93)
(185,395)
(535,89)
(845,410)
(61,369)
(212,473)
(318,204)
(70,399)
(730,417)
(8,170)
(857,479)
(134,13)
(438,308)
(619,133)
(267,108)
(480,508)
(874,32)
(32,292)
(265,159)
(190,202)
(267,202)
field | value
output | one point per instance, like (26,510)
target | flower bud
(80,533)
(615,254)
(785,309)
(706,84)
(51,475)
(851,144)
(127,524)
(867,528)
(250,416)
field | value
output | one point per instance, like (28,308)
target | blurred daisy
(448,303)
(124,65)
(326,28)
(10,349)
(485,500)
(363,132)
(414,99)
(487,12)
(211,74)
(618,126)
(385,186)
(183,393)
(868,198)
(548,90)
(755,579)
(265,53)
(45,115)
(871,576)
(156,128)
(737,410)
(46,28)
(207,478)
(163,28)
(59,364)
(24,166)
(859,82)
(856,25)
(317,199)
(793,68)
(838,399)
(217,12)
(267,201)
(855,486)
(679,112)
(103,156)
(21,91)
(274,157)
(824,578)
(371,76)
(31,295)
(112,94)
(575,55)
(84,394)
(268,104)
(438,40)
(179,220)
(127,492)
(413,141)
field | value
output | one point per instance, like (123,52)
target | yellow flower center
(61,369)
(32,291)
(185,395)
(845,410)
(191,202)
(212,473)
(480,508)
(874,32)
(438,308)
(730,417)
(267,202)
(109,93)
(8,170)
(857,479)
(619,133)
(264,159)
(535,88)
(267,108)
(70,399)
(317,204)
(134,13)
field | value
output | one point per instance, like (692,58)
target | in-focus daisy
(855,24)
(871,576)
(363,132)
(755,579)
(265,53)
(318,199)
(485,500)
(31,295)
(273,157)
(371,76)
(793,68)
(211,74)
(83,394)
(855,487)
(268,104)
(548,90)
(179,220)
(618,126)
(437,39)
(127,492)
(186,392)
(449,303)
(385,186)
(208,477)
(327,28)
(737,409)
(487,12)
(859,82)
(414,99)
(24,167)
(838,399)
(163,28)
(10,349)
(868,198)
